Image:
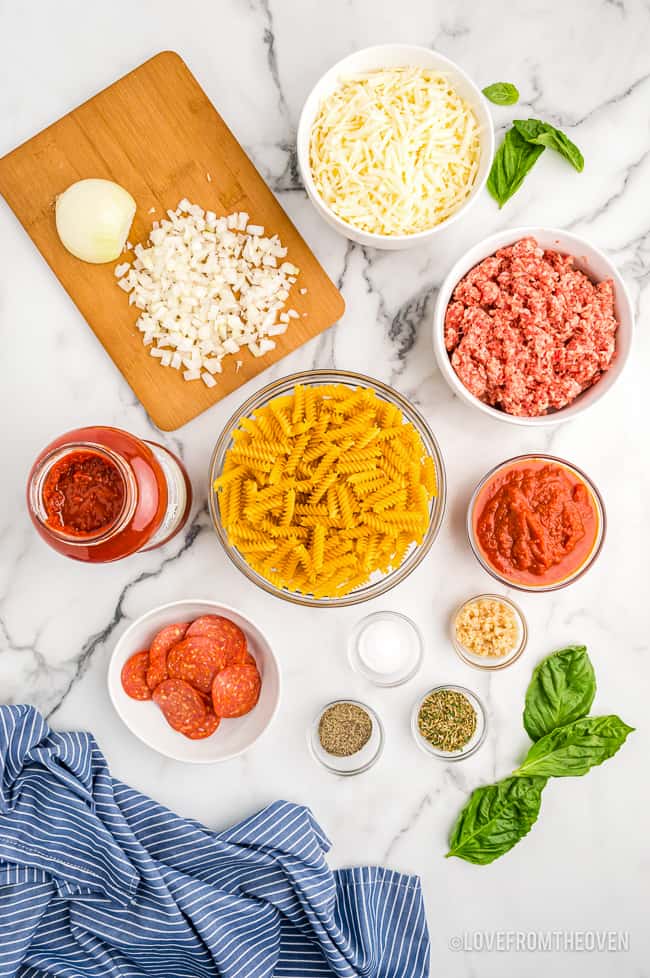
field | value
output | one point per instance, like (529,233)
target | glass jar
(350,764)
(99,494)
(475,741)
(488,661)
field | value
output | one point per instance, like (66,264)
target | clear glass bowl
(491,663)
(364,759)
(412,641)
(383,582)
(579,571)
(472,744)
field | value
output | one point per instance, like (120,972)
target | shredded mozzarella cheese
(395,151)
(208,286)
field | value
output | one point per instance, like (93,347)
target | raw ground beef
(526,331)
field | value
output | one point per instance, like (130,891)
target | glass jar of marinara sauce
(100,494)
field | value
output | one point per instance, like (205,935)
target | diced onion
(207,287)
(93,219)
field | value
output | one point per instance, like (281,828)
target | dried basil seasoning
(344,729)
(447,720)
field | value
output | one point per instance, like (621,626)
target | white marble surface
(583,65)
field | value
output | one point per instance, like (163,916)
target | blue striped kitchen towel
(98,880)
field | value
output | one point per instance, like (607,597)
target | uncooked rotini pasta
(324,487)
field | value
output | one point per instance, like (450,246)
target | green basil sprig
(522,146)
(572,750)
(567,744)
(502,93)
(562,690)
(495,818)
(512,161)
(544,134)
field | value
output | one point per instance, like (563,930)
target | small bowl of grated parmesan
(489,631)
(394,143)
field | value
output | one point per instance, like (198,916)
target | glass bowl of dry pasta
(327,488)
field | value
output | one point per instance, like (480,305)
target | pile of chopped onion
(208,286)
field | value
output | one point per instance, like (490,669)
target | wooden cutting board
(156,133)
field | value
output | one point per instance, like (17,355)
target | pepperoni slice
(165,640)
(134,676)
(236,690)
(197,660)
(243,658)
(183,706)
(222,631)
(205,728)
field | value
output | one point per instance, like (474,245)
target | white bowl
(392,56)
(589,260)
(146,721)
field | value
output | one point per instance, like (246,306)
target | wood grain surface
(156,133)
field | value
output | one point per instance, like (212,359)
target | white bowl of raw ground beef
(532,326)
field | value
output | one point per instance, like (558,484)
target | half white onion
(93,219)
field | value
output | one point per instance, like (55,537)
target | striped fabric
(98,880)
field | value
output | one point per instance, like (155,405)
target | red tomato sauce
(536,522)
(83,493)
(100,494)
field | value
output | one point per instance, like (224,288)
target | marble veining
(583,66)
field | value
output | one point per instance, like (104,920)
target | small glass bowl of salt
(386,647)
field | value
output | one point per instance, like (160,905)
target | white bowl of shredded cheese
(394,143)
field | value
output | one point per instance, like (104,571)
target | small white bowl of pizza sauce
(146,721)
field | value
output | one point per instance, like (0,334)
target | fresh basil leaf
(544,134)
(495,818)
(502,93)
(572,750)
(561,690)
(512,161)
(557,140)
(530,129)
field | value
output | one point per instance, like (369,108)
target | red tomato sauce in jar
(83,493)
(536,522)
(98,494)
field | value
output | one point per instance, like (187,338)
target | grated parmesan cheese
(208,286)
(395,151)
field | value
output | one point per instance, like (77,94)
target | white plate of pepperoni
(196,681)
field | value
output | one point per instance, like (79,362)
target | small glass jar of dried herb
(449,722)
(347,737)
